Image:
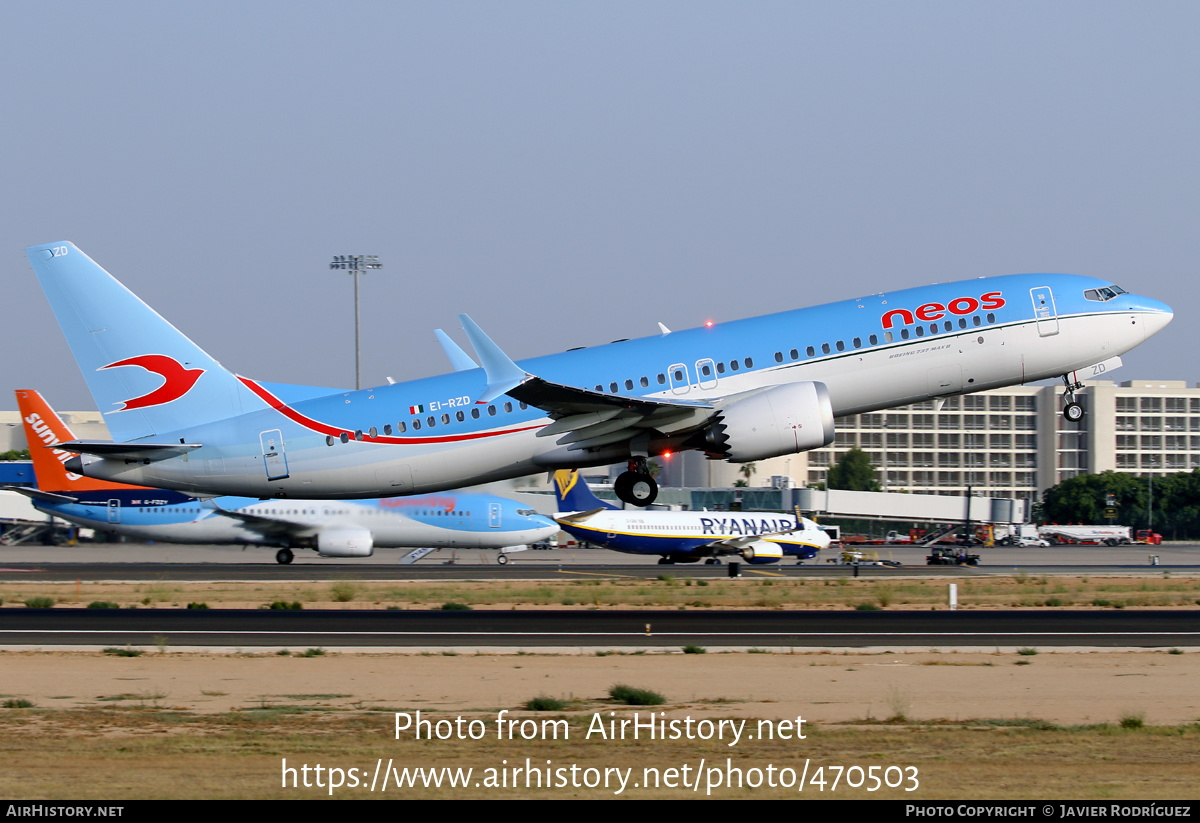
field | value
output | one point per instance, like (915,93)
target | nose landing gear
(1072,411)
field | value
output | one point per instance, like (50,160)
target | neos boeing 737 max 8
(741,391)
(334,528)
(683,537)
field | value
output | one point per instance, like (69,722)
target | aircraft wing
(735,544)
(584,417)
(269,526)
(578,517)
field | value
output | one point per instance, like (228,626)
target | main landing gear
(636,487)
(284,556)
(1072,411)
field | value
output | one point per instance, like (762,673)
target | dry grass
(751,592)
(116,753)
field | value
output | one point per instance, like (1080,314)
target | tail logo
(178,380)
(565,480)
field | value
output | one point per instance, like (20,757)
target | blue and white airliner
(334,528)
(683,537)
(740,391)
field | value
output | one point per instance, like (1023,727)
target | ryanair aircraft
(740,391)
(684,537)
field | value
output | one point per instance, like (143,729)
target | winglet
(502,373)
(459,359)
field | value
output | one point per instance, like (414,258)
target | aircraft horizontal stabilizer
(127,451)
(38,494)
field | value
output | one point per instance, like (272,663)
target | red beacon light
(708,324)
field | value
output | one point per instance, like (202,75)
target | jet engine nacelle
(782,420)
(345,543)
(762,551)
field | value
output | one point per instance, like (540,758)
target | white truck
(1108,535)
(1026,535)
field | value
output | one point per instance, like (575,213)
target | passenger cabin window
(387,429)
(991,318)
(720,368)
(749,362)
(810,351)
(794,354)
(401,427)
(840,346)
(474,414)
(628,385)
(644,381)
(612,388)
(374,432)
(445,419)
(459,416)
(778,357)
(492,411)
(858,342)
(873,340)
(508,408)
(733,366)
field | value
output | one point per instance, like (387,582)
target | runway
(177,563)
(585,628)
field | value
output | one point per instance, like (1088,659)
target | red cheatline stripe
(324,428)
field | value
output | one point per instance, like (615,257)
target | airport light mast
(356,263)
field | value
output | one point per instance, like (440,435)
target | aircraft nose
(1156,314)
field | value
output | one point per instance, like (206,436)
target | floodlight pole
(355,263)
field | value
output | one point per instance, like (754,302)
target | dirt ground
(1063,687)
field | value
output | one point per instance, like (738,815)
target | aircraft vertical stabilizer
(144,374)
(573,494)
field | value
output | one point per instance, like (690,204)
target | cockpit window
(1103,294)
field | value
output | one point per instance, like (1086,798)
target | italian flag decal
(416,409)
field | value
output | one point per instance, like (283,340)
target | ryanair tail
(573,494)
(144,374)
(44,430)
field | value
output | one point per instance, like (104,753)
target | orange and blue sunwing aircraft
(740,391)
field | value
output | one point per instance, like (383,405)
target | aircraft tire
(284,556)
(1073,412)
(502,559)
(635,488)
(666,561)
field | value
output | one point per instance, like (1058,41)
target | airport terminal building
(1010,442)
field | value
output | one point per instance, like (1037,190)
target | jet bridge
(929,508)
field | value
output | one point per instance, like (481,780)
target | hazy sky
(570,173)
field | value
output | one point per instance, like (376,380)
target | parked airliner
(683,537)
(740,391)
(334,528)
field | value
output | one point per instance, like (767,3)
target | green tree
(853,472)
(748,470)
(15,454)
